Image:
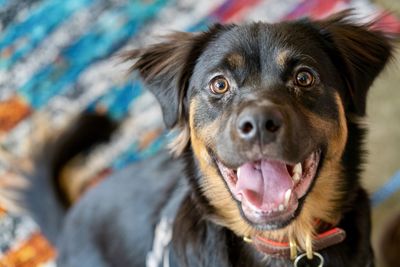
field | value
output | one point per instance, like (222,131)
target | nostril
(271,126)
(246,127)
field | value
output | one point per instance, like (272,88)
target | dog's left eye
(219,85)
(304,78)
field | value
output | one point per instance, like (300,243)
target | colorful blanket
(58,58)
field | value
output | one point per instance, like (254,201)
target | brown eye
(219,85)
(304,78)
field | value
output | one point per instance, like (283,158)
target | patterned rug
(58,58)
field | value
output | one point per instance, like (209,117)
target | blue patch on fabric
(387,190)
(108,34)
(22,38)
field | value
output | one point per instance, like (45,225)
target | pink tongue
(263,184)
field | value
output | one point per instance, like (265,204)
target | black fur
(82,135)
(113,225)
(169,65)
(358,53)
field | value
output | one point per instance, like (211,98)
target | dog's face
(265,110)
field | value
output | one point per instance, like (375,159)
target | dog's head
(264,108)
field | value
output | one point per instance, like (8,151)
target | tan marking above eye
(235,60)
(219,85)
(282,57)
(304,78)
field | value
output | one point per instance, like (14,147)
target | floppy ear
(359,52)
(166,69)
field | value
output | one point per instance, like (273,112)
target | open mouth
(270,191)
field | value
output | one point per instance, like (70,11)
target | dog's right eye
(304,78)
(219,85)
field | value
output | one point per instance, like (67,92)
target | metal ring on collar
(301,256)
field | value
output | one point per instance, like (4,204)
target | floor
(384,138)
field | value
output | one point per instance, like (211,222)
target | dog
(268,153)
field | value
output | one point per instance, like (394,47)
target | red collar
(277,249)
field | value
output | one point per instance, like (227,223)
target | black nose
(259,123)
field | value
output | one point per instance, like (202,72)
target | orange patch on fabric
(36,251)
(12,111)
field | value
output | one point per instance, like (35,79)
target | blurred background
(59,58)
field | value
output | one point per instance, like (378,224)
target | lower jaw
(269,220)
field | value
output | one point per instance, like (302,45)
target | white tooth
(296,177)
(238,172)
(298,169)
(281,207)
(287,197)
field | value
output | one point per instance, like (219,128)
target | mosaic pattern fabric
(22,244)
(58,58)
